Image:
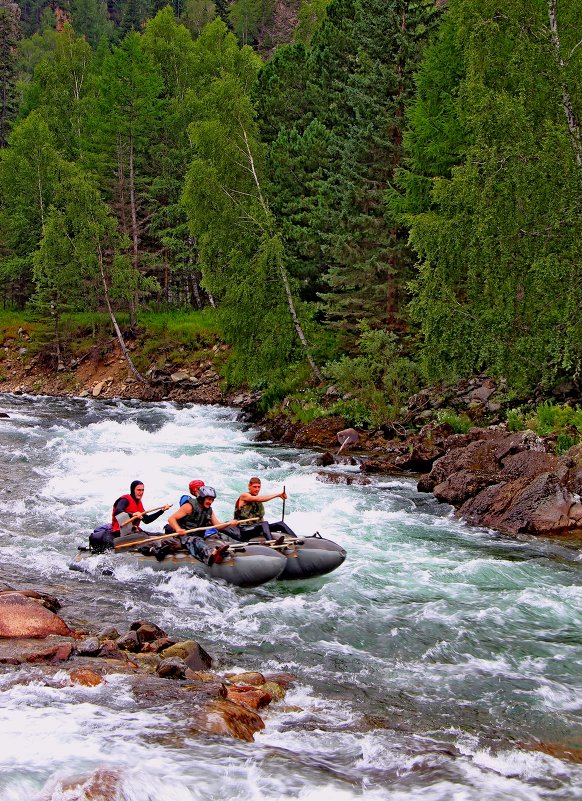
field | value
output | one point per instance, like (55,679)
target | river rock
(251,697)
(276,691)
(148,662)
(321,433)
(56,653)
(97,389)
(86,677)
(172,668)
(225,718)
(129,642)
(105,784)
(22,616)
(88,647)
(146,631)
(509,482)
(255,679)
(195,657)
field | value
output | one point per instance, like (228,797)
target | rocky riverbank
(36,644)
(512,482)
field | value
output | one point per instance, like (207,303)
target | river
(439,662)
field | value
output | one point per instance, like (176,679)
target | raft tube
(254,566)
(308,557)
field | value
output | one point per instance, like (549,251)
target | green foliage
(515,420)
(379,379)
(196,14)
(460,423)
(310,15)
(247,16)
(499,235)
(553,418)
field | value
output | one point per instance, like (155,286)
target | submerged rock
(228,719)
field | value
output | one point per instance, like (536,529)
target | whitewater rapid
(439,662)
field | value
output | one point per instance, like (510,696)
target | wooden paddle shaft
(175,534)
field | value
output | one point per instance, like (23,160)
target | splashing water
(439,662)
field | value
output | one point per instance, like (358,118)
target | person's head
(206,496)
(194,486)
(254,485)
(136,490)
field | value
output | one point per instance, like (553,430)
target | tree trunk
(281,267)
(134,229)
(116,327)
(573,124)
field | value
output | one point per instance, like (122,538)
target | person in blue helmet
(197,512)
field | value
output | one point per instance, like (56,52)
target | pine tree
(9,35)
(126,123)
(90,19)
(30,170)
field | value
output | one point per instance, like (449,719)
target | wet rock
(253,678)
(129,642)
(148,662)
(4,415)
(201,675)
(276,691)
(56,653)
(251,697)
(109,650)
(285,680)
(22,616)
(88,647)
(225,718)
(343,478)
(107,634)
(172,668)
(212,689)
(105,784)
(146,631)
(325,459)
(98,389)
(540,506)
(157,646)
(86,677)
(48,601)
(195,657)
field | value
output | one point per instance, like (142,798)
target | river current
(439,663)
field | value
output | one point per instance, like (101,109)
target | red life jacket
(134,506)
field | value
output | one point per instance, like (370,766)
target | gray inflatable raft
(248,565)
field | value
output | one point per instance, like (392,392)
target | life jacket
(198,517)
(134,506)
(250,509)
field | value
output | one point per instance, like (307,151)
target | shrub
(460,423)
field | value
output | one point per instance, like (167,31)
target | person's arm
(246,497)
(184,510)
(217,524)
(154,515)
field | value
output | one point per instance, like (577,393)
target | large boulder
(22,616)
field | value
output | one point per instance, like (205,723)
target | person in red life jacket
(132,505)
(197,512)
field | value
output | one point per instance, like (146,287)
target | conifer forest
(384,195)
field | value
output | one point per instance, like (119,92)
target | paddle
(283,513)
(219,527)
(148,512)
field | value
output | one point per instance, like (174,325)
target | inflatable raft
(307,557)
(246,564)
